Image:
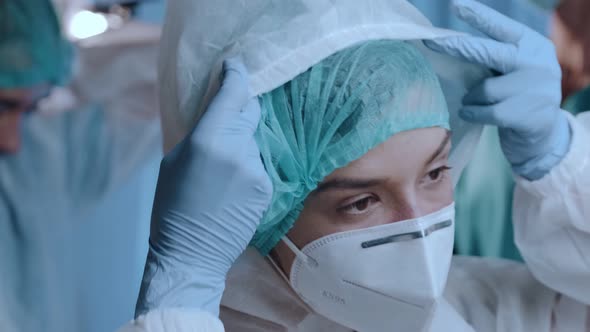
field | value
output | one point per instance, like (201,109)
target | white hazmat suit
(552,223)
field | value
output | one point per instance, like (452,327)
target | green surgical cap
(333,114)
(32,50)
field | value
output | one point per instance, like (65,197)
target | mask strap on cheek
(280,271)
(307,259)
(297,253)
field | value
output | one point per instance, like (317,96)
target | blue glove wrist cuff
(169,284)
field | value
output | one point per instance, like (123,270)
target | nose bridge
(405,211)
(405,205)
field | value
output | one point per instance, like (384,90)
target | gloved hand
(523,100)
(212,192)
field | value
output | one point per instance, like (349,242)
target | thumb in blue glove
(524,98)
(212,192)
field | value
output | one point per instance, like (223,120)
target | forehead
(402,154)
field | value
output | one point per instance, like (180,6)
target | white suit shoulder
(175,320)
(498,295)
(552,219)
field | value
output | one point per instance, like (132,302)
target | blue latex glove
(212,192)
(523,100)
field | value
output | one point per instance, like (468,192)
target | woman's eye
(360,206)
(436,174)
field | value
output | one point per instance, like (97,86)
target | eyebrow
(440,148)
(347,183)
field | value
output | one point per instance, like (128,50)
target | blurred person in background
(71,132)
(570,31)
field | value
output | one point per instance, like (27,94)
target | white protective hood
(277,40)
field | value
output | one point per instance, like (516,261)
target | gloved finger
(498,88)
(504,115)
(486,52)
(250,115)
(233,93)
(489,21)
(254,160)
(242,126)
(256,168)
(230,111)
(224,134)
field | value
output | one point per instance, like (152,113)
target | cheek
(283,257)
(310,226)
(447,192)
(433,200)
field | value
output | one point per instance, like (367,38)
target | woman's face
(14,103)
(405,177)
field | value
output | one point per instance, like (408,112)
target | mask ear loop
(280,271)
(298,253)
(307,259)
(295,251)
